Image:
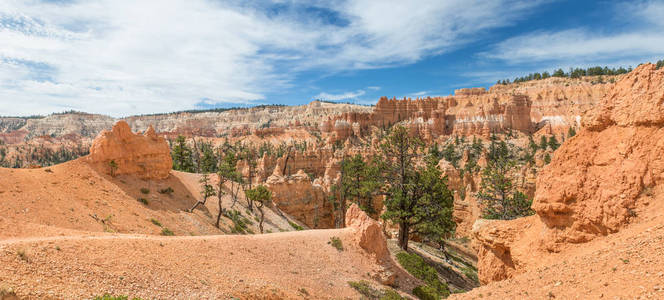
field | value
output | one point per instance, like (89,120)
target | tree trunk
(260,224)
(196,205)
(403,235)
(221,211)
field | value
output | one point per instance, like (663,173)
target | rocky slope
(292,265)
(607,177)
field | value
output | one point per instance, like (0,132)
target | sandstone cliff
(147,156)
(299,197)
(600,180)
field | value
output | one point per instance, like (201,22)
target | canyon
(593,201)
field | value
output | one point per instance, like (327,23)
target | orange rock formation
(367,233)
(597,182)
(146,155)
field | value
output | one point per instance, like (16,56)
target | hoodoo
(145,155)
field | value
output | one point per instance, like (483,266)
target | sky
(127,57)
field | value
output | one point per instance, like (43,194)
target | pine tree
(181,154)
(543,142)
(359,182)
(571,132)
(208,160)
(553,142)
(418,199)
(261,196)
(500,198)
(559,73)
(250,156)
(206,192)
(227,171)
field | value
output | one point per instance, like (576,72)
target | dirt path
(279,265)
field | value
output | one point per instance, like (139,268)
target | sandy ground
(280,265)
(625,265)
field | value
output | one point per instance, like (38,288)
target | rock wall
(597,182)
(558,103)
(144,155)
(368,233)
(469,112)
(302,199)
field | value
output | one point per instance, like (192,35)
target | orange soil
(625,265)
(279,265)
(85,234)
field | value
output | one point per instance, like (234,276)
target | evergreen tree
(559,73)
(417,198)
(227,171)
(206,192)
(571,132)
(261,196)
(553,142)
(500,198)
(543,142)
(250,156)
(181,154)
(208,159)
(359,182)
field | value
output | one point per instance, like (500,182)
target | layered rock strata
(119,151)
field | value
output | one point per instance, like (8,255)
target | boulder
(144,155)
(367,233)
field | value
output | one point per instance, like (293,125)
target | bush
(143,200)
(167,232)
(167,191)
(155,222)
(145,191)
(369,292)
(297,227)
(426,292)
(416,266)
(336,243)
(472,275)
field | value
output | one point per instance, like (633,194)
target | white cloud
(341,96)
(420,93)
(644,38)
(124,57)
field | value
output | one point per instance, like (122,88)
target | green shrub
(167,190)
(391,295)
(471,274)
(336,243)
(167,232)
(416,266)
(143,200)
(297,227)
(364,288)
(369,292)
(155,222)
(426,292)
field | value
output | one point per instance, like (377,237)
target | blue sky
(122,57)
